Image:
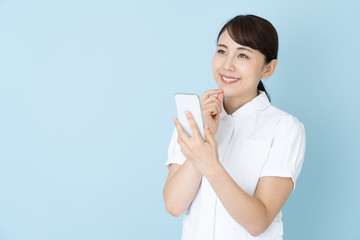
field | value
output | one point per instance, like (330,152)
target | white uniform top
(256,140)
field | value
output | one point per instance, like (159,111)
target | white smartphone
(190,102)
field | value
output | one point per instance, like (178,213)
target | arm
(181,187)
(183,181)
(254,213)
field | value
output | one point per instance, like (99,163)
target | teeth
(230,79)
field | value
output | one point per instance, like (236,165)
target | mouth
(229,80)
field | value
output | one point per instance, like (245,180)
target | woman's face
(237,69)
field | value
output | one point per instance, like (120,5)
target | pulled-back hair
(254,32)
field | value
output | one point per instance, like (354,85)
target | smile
(229,80)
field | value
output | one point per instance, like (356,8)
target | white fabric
(256,140)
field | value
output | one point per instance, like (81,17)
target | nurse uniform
(257,140)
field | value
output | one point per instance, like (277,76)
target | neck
(231,104)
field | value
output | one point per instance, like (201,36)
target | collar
(260,102)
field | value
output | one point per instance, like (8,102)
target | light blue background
(86,101)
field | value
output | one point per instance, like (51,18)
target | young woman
(234,184)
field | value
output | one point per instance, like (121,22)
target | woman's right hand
(211,108)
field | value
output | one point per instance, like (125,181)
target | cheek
(216,65)
(251,71)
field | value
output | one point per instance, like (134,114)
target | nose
(229,64)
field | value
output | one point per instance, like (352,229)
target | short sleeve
(287,151)
(174,153)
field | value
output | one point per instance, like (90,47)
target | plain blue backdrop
(86,104)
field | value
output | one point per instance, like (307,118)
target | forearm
(247,210)
(181,188)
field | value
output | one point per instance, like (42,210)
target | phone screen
(190,102)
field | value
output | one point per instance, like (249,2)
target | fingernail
(187,113)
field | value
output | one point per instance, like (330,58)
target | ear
(269,68)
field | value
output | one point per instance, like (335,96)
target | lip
(227,76)
(228,82)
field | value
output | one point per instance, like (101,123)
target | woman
(234,184)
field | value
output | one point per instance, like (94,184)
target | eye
(243,56)
(220,51)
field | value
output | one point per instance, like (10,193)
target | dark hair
(254,32)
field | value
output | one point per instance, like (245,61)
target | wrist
(193,167)
(214,172)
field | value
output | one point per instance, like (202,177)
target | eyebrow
(239,48)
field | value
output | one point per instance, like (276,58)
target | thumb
(208,135)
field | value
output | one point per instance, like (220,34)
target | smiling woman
(244,34)
(234,184)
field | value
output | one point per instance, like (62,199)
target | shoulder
(285,123)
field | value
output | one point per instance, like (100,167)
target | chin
(231,92)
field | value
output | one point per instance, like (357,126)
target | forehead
(229,42)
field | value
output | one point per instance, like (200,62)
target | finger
(208,136)
(207,94)
(211,110)
(193,126)
(181,133)
(213,104)
(220,97)
(212,100)
(210,92)
(180,141)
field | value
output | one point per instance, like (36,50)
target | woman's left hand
(203,154)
